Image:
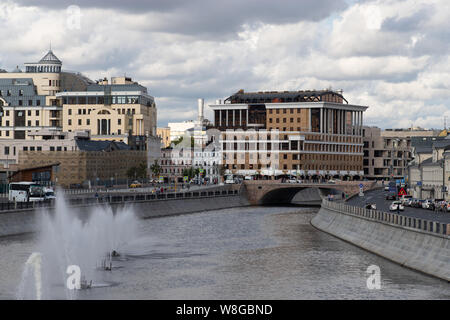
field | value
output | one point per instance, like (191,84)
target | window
(52,148)
(20,102)
(29,113)
(39,148)
(30,102)
(58,149)
(88,121)
(37,113)
(21,92)
(79,122)
(119,121)
(70,122)
(38,102)
(31,148)
(119,131)
(70,112)
(37,123)
(7,133)
(6,150)
(25,148)
(29,123)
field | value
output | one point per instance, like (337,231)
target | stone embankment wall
(418,244)
(22,221)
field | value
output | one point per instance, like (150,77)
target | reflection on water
(239,253)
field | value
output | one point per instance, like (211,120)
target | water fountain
(75,237)
(31,275)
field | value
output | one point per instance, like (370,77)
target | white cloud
(390,55)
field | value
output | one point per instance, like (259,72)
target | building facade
(304,133)
(42,107)
(90,163)
(164,134)
(115,111)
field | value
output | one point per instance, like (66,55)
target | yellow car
(136,184)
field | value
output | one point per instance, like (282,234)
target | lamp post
(443,177)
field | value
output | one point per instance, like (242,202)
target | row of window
(277,111)
(277,120)
(88,111)
(7,149)
(102,100)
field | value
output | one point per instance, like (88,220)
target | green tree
(155,168)
(132,172)
(141,170)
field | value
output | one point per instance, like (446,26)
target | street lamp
(442,165)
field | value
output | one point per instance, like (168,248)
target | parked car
(386,188)
(418,203)
(332,181)
(396,205)
(427,204)
(292,181)
(405,199)
(410,202)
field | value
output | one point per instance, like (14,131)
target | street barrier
(417,224)
(116,199)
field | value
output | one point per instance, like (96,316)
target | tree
(155,168)
(141,170)
(132,172)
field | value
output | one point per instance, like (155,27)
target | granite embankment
(418,244)
(20,221)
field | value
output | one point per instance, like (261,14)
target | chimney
(201,103)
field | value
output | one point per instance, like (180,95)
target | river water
(239,253)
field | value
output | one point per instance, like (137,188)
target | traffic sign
(419,183)
(361,186)
(402,192)
(185,178)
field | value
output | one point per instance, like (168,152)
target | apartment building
(304,133)
(44,102)
(113,111)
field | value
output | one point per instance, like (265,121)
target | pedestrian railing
(117,199)
(423,225)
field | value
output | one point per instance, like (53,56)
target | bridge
(261,192)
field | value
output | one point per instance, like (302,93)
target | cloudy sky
(391,55)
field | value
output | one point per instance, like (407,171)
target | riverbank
(414,243)
(23,221)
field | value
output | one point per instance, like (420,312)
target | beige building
(90,163)
(42,107)
(164,134)
(313,134)
(113,111)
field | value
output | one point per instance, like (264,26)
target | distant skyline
(392,56)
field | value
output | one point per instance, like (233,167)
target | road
(379,197)
(85,193)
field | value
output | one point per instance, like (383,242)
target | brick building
(304,133)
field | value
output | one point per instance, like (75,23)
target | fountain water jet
(82,237)
(31,278)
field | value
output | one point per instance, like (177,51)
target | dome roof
(50,58)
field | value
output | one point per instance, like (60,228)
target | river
(239,253)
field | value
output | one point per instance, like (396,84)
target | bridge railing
(118,199)
(417,224)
